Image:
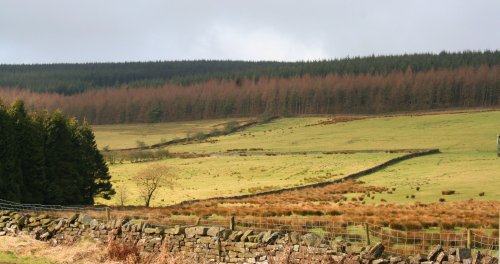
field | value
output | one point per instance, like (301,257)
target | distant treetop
(76,78)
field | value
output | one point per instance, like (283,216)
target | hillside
(408,91)
(151,92)
(466,140)
(76,78)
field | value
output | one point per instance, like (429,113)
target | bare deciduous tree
(152,178)
(122,192)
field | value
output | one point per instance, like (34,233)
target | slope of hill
(409,91)
(76,78)
(467,165)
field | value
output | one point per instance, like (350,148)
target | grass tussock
(26,247)
(329,202)
(122,251)
(87,251)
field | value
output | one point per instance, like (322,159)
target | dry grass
(81,252)
(126,252)
(28,250)
(330,202)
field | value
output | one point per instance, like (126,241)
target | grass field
(127,135)
(466,173)
(467,165)
(449,132)
(199,178)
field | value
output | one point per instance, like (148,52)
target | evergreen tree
(10,171)
(93,167)
(63,176)
(29,138)
(76,78)
(48,158)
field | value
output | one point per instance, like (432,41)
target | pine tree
(10,171)
(29,138)
(93,167)
(61,162)
(48,158)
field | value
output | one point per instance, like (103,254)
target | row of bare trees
(331,94)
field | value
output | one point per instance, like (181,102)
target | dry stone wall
(219,244)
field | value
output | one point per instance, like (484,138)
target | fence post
(498,147)
(367,228)
(107,214)
(231,223)
(469,238)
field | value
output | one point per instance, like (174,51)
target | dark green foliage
(93,167)
(150,91)
(155,114)
(228,108)
(48,158)
(10,171)
(29,138)
(76,78)
(60,150)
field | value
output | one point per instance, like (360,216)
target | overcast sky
(45,31)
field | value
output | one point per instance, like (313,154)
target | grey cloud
(34,31)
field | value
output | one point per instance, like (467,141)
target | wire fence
(361,234)
(396,242)
(8,205)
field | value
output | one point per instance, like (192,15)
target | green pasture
(127,135)
(199,178)
(467,165)
(423,179)
(475,131)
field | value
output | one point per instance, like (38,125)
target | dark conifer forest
(186,90)
(50,159)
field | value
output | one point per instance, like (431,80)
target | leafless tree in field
(122,192)
(152,178)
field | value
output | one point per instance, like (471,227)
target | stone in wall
(222,245)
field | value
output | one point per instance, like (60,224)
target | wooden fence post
(107,214)
(231,223)
(367,228)
(498,147)
(469,238)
